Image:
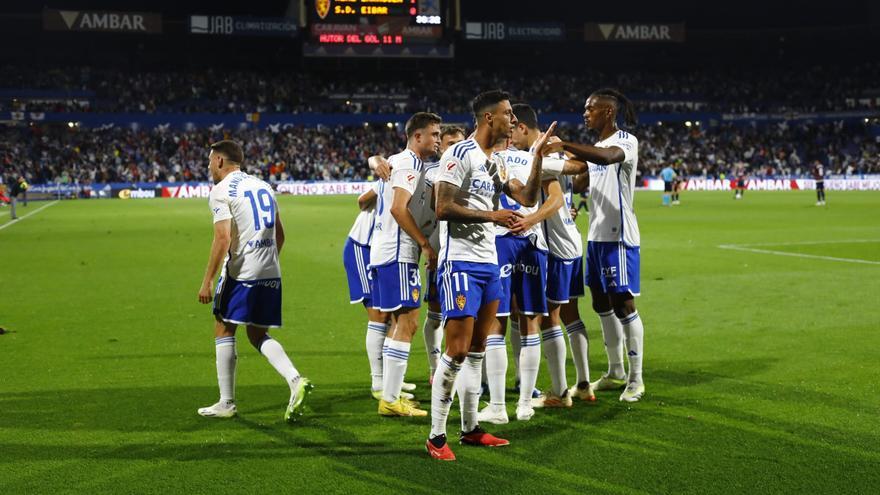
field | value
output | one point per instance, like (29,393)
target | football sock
(226,358)
(529,361)
(433,337)
(496,367)
(515,344)
(375,339)
(272,350)
(580,347)
(468,387)
(554,351)
(395,356)
(441,394)
(635,334)
(612,331)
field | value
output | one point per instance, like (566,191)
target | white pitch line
(7,224)
(805,243)
(798,255)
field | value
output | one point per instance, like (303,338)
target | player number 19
(266,207)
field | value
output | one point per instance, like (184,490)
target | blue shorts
(565,279)
(613,267)
(523,271)
(396,285)
(356,259)
(465,287)
(431,292)
(249,302)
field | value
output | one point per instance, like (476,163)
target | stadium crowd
(710,89)
(79,155)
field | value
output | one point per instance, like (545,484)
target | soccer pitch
(761,366)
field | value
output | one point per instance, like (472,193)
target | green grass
(762,370)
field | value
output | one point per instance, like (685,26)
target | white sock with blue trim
(375,340)
(496,367)
(433,339)
(612,332)
(468,386)
(580,350)
(274,353)
(635,335)
(395,356)
(441,393)
(554,352)
(529,362)
(224,347)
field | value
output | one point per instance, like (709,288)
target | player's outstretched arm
(380,166)
(367,200)
(450,211)
(551,205)
(527,194)
(400,212)
(587,152)
(219,248)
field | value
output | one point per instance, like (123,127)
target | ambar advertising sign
(634,32)
(104,21)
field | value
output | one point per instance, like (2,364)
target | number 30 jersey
(250,203)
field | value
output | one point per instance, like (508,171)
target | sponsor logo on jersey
(450,166)
(410,178)
(261,243)
(506,270)
(415,295)
(460,301)
(609,271)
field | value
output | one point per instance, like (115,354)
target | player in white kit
(613,238)
(467,192)
(247,238)
(398,242)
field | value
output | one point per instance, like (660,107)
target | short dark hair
(230,150)
(525,114)
(421,120)
(487,99)
(451,130)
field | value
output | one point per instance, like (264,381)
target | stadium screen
(376,28)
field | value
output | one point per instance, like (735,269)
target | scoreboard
(376,28)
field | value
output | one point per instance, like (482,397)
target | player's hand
(552,146)
(574,213)
(383,168)
(505,218)
(522,225)
(205,294)
(542,141)
(430,257)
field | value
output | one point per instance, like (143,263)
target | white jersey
(612,186)
(250,203)
(390,242)
(362,230)
(563,237)
(464,166)
(432,231)
(516,164)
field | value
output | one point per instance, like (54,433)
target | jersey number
(264,203)
(461,280)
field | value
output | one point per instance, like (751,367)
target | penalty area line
(735,247)
(7,224)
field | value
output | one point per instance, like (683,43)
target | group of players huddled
(494,224)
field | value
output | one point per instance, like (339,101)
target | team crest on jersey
(502,172)
(322,7)
(460,301)
(415,295)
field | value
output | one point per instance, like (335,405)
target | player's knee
(624,308)
(601,306)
